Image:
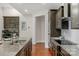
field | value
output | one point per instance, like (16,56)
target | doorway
(40,29)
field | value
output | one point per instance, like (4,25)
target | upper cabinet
(72,10)
(59,15)
(52,19)
(75,15)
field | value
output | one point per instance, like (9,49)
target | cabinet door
(59,15)
(75,15)
(26,50)
(21,53)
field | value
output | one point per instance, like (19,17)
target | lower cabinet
(54,52)
(57,50)
(63,53)
(26,50)
(53,49)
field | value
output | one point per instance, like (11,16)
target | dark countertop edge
(23,46)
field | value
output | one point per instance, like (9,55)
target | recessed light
(26,10)
(43,3)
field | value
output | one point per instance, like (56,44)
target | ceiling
(5,5)
(32,8)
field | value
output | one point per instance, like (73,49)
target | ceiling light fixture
(26,10)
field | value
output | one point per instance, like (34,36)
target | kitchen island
(22,48)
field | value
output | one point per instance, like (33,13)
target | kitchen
(60,26)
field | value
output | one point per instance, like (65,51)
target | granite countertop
(11,50)
(73,50)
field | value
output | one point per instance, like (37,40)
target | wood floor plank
(40,50)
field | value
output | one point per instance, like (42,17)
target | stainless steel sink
(65,42)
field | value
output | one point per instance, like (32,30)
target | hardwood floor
(40,50)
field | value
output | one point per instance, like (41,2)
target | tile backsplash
(72,35)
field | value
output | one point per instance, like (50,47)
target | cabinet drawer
(64,53)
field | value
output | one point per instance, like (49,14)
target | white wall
(28,19)
(43,28)
(28,32)
(34,31)
(40,29)
(1,23)
(72,35)
(47,38)
(65,10)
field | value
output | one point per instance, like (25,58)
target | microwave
(66,23)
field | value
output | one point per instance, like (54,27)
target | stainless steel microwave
(66,23)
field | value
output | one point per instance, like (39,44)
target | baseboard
(40,42)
